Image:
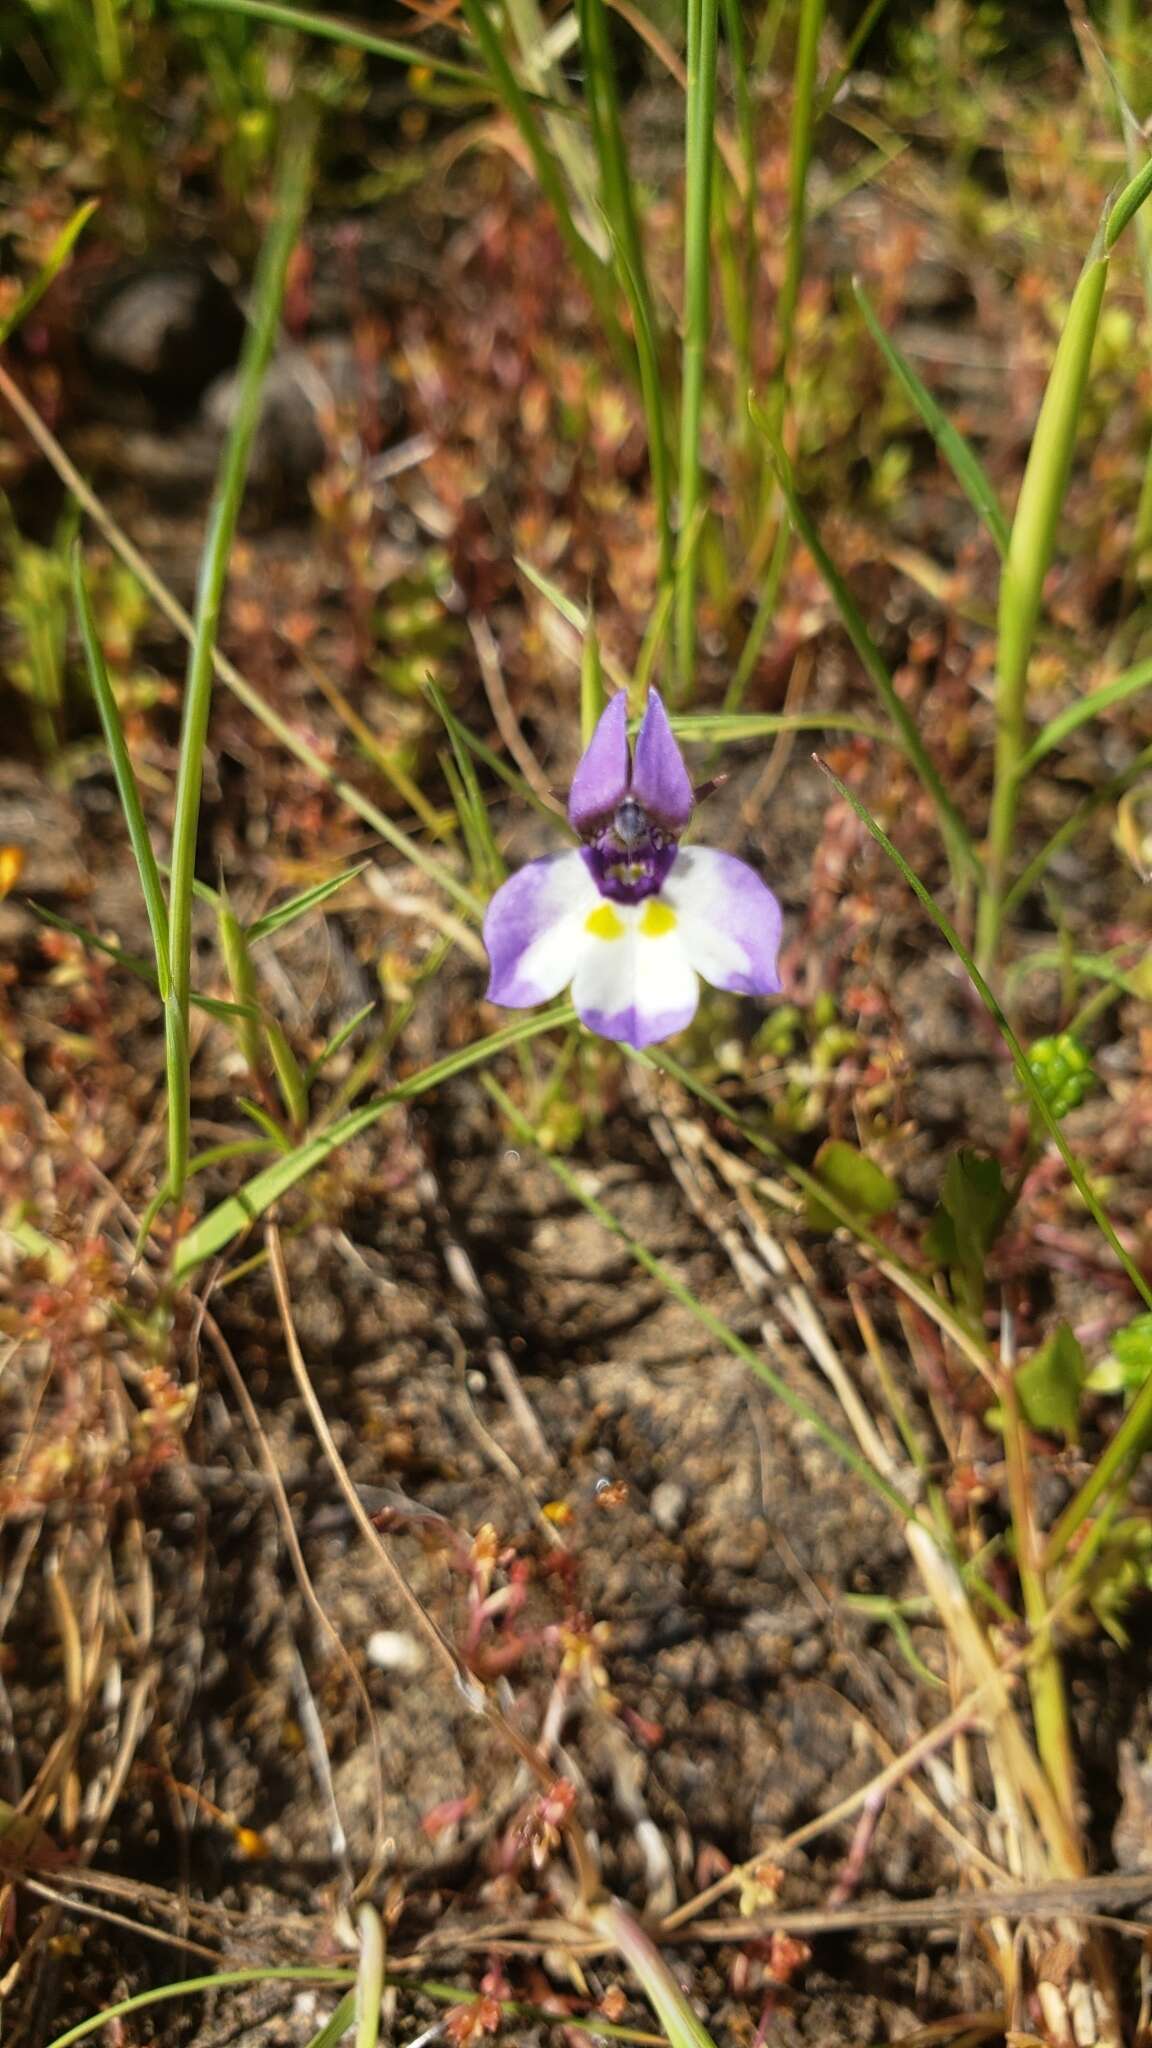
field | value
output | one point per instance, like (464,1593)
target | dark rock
(289,446)
(161,332)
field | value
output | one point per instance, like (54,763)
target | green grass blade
(217,1229)
(953,831)
(653,641)
(1115,1464)
(765,613)
(475,830)
(1026,565)
(736,42)
(699,151)
(1016,1051)
(336,1044)
(49,270)
(518,105)
(1046,474)
(292,186)
(242,982)
(1069,721)
(333,2032)
(574,615)
(289,1074)
(178,1081)
(215,1006)
(962,460)
(1128,205)
(333,30)
(299,906)
(628,249)
(279,1140)
(488,867)
(370,1977)
(187,1987)
(1073,826)
(666,1996)
(511,777)
(861,31)
(723,727)
(221,1155)
(592,698)
(126,785)
(135,963)
(811,23)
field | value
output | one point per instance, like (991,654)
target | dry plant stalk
(1041,1840)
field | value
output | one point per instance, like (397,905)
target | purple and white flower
(631,918)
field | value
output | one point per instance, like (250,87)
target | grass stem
(699,151)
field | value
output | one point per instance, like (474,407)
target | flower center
(629,859)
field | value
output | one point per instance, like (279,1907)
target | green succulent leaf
(973,1205)
(856,1181)
(1049,1385)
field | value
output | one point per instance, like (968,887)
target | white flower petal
(534,929)
(634,981)
(729,920)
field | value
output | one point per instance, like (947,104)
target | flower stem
(1027,562)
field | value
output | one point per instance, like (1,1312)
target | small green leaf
(1050,1383)
(856,1181)
(973,1205)
(298,906)
(1131,1349)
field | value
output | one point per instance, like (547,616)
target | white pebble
(390,1649)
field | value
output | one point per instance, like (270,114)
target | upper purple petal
(601,780)
(660,781)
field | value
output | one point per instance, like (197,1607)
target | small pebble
(391,1649)
(669,1506)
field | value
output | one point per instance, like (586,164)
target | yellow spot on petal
(604,923)
(657,919)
